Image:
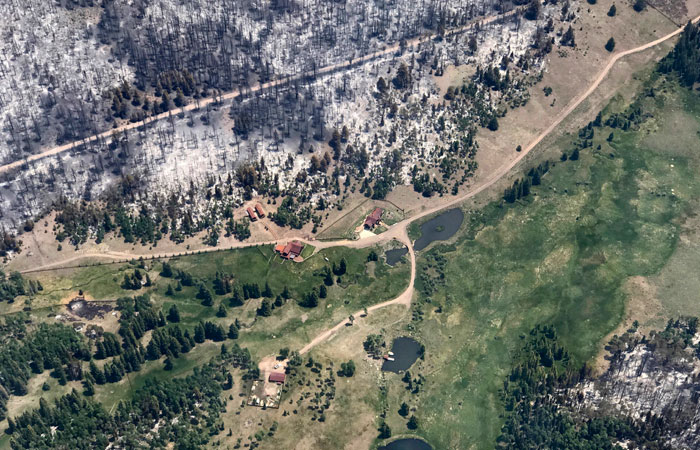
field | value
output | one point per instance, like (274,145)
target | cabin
(259,209)
(277,377)
(291,250)
(373,219)
(251,214)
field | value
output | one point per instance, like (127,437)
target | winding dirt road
(399,231)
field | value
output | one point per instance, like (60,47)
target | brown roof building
(277,377)
(373,219)
(259,209)
(251,214)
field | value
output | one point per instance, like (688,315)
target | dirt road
(399,230)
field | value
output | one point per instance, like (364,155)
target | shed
(251,214)
(259,209)
(277,377)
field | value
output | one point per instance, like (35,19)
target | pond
(439,228)
(395,255)
(407,444)
(405,352)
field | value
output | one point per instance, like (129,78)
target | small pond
(439,228)
(408,444)
(406,351)
(395,255)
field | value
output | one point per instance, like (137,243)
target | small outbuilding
(277,377)
(259,209)
(373,219)
(251,214)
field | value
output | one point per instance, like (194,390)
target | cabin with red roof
(373,219)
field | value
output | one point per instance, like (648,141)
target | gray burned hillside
(72,69)
(651,381)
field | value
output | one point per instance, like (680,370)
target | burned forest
(176,113)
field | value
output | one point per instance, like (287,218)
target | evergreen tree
(412,423)
(493,121)
(568,38)
(166,271)
(237,298)
(232,331)
(221,312)
(265,309)
(612,11)
(205,295)
(532,12)
(169,291)
(173,314)
(403,410)
(267,292)
(168,364)
(60,374)
(199,333)
(89,388)
(285,293)
(384,431)
(610,45)
(322,292)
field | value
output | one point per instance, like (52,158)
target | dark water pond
(439,228)
(395,255)
(408,444)
(406,352)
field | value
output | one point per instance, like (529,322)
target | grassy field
(562,256)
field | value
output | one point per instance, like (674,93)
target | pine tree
(533,10)
(169,292)
(61,375)
(168,364)
(174,314)
(199,333)
(610,45)
(412,423)
(384,431)
(612,11)
(403,410)
(267,292)
(237,298)
(89,388)
(233,331)
(221,312)
(568,38)
(205,295)
(322,292)
(265,309)
(285,293)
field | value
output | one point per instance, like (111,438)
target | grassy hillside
(561,256)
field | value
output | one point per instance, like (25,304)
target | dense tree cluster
(684,59)
(15,285)
(29,352)
(195,401)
